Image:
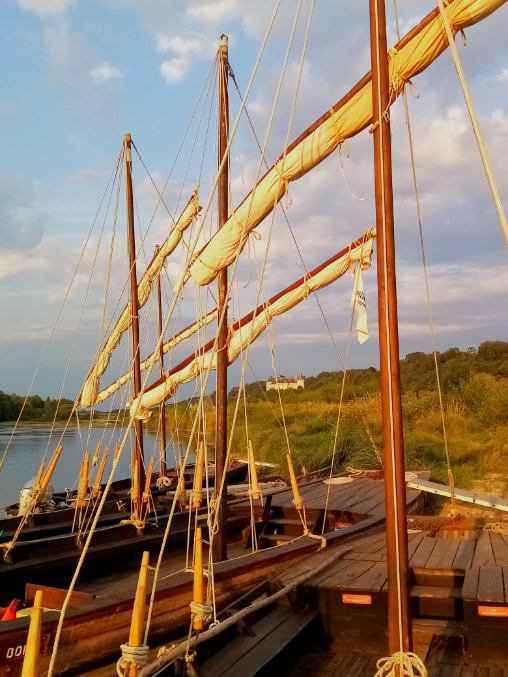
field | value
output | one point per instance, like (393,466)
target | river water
(30,442)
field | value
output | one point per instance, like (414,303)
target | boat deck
(459,601)
(360,497)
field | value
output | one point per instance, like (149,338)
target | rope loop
(132,655)
(401,664)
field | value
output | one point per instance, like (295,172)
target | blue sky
(77,75)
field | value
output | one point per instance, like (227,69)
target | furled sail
(88,396)
(243,332)
(155,356)
(417,50)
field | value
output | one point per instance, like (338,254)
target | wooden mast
(138,469)
(163,471)
(220,541)
(399,619)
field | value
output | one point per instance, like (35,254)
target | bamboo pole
(255,492)
(297,499)
(138,612)
(33,642)
(197,595)
(197,492)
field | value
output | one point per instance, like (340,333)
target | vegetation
(36,409)
(475,404)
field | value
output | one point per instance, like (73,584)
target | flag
(359,304)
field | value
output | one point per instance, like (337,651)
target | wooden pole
(199,468)
(253,473)
(297,499)
(96,489)
(399,618)
(138,611)
(198,595)
(138,477)
(163,466)
(220,538)
(46,478)
(33,642)
(83,481)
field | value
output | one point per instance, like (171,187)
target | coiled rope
(131,655)
(401,664)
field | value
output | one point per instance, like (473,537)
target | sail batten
(89,392)
(352,114)
(246,330)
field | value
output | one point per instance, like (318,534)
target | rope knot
(201,612)
(163,482)
(401,664)
(132,655)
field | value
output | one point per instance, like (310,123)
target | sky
(76,76)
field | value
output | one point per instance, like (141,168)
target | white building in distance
(285,383)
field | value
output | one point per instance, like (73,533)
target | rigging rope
(407,118)
(491,179)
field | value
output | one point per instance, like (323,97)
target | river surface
(30,442)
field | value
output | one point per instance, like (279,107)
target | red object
(356,599)
(10,612)
(496,611)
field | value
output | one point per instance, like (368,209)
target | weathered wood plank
(423,552)
(500,549)
(490,585)
(470,586)
(443,554)
(373,579)
(483,553)
(464,555)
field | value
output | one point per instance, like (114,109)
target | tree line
(35,409)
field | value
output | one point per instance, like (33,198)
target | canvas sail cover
(154,357)
(353,113)
(88,396)
(242,333)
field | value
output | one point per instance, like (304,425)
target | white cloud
(212,12)
(45,8)
(184,50)
(105,72)
(174,70)
(502,76)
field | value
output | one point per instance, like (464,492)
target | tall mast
(162,409)
(138,469)
(399,619)
(220,540)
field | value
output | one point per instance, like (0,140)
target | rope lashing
(401,664)
(201,612)
(132,655)
(163,482)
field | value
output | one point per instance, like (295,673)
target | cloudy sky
(77,75)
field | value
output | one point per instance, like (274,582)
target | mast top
(127,138)
(223,42)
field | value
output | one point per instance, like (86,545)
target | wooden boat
(203,268)
(96,626)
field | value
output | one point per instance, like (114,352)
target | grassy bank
(475,398)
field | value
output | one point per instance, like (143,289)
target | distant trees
(36,409)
